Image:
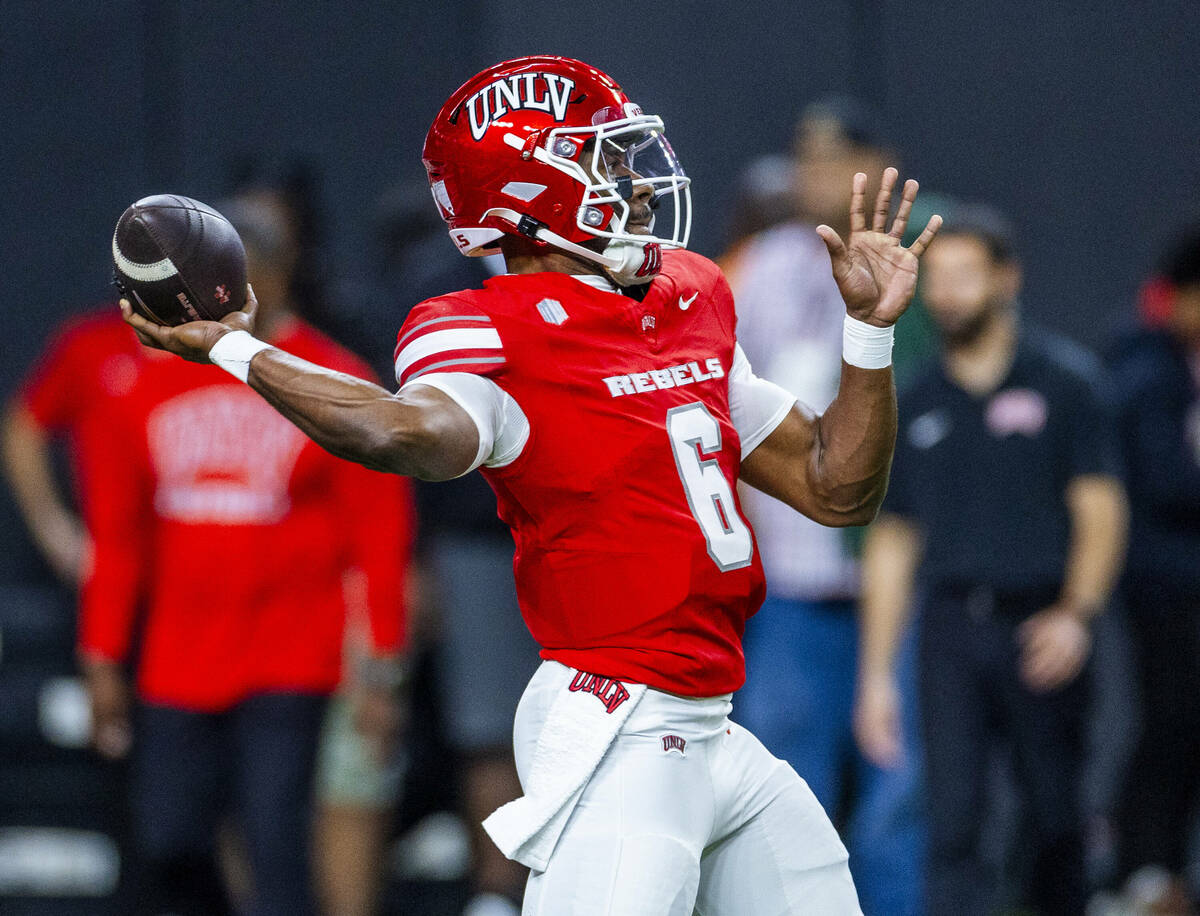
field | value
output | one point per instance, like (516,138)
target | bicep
(500,427)
(772,466)
(452,433)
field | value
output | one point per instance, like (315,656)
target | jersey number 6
(694,431)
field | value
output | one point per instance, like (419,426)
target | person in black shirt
(1005,512)
(1157,371)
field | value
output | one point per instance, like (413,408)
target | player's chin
(638,228)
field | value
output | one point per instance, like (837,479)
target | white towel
(573,740)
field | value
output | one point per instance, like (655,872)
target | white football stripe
(143,273)
(522,190)
(446,342)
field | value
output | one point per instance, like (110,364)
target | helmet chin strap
(622,259)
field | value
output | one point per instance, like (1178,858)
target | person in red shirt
(601,388)
(238,544)
(90,360)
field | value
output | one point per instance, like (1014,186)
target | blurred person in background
(1005,510)
(763,196)
(485,655)
(90,360)
(801,648)
(245,547)
(1157,375)
(53,437)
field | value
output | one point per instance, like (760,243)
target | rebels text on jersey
(633,558)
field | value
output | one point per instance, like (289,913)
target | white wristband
(865,345)
(234,351)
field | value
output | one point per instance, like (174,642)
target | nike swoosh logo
(685,304)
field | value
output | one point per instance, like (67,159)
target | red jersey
(236,533)
(633,558)
(91,360)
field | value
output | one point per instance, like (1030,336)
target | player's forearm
(889,564)
(360,421)
(855,439)
(1099,526)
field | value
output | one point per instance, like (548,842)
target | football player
(600,388)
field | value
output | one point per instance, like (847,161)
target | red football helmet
(550,148)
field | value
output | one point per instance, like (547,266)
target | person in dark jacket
(1157,372)
(1004,521)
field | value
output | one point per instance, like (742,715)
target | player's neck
(980,364)
(526,257)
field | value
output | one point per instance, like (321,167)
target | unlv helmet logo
(547,92)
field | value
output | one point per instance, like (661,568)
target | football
(177,260)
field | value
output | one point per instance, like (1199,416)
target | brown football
(178,260)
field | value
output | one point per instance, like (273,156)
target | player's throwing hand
(194,339)
(875,274)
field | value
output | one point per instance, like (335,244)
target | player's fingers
(126,312)
(883,200)
(141,327)
(251,306)
(918,247)
(907,198)
(135,320)
(833,242)
(243,318)
(858,204)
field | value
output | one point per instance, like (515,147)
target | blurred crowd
(273,682)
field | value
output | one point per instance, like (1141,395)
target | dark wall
(1082,126)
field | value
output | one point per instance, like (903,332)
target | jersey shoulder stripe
(427,326)
(447,334)
(458,347)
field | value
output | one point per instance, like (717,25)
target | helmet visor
(638,152)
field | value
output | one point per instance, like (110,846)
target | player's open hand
(874,272)
(194,339)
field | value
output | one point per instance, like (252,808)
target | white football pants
(686,813)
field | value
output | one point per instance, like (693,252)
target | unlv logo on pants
(608,690)
(651,260)
(674,743)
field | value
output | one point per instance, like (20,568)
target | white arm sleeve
(755,405)
(503,426)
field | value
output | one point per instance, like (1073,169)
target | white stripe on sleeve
(447,342)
